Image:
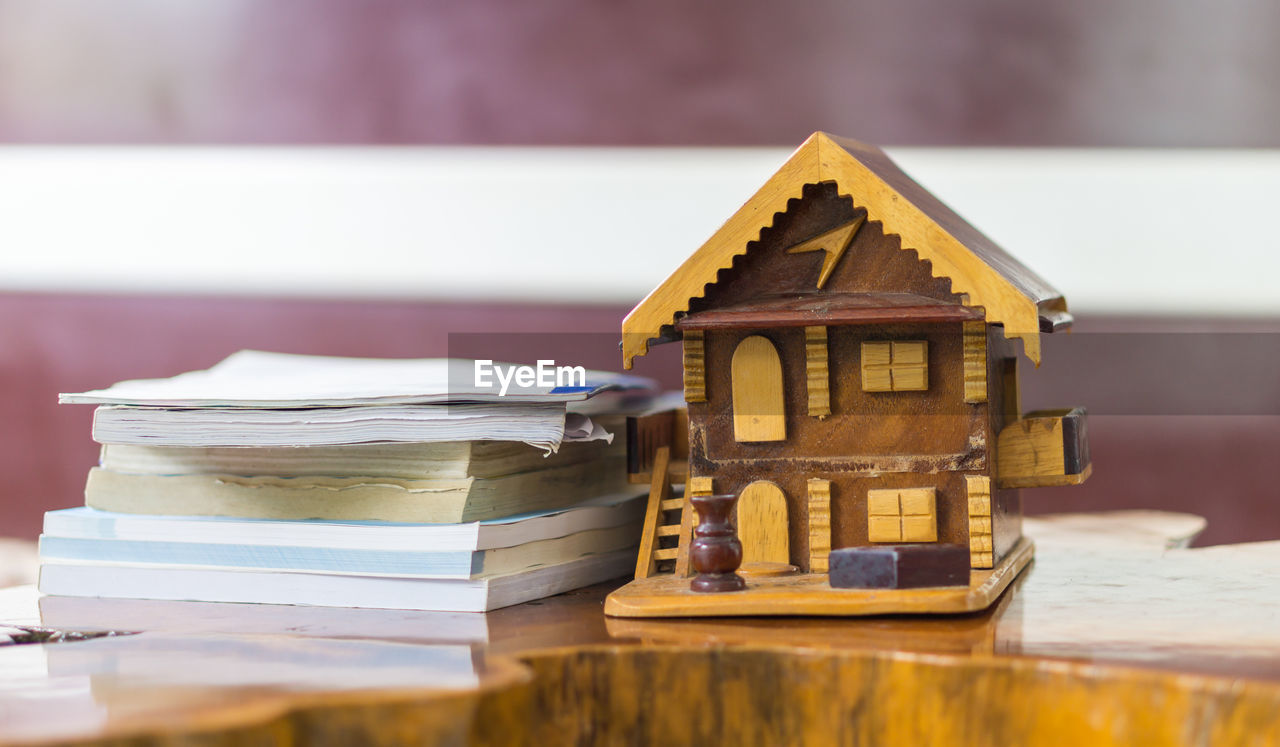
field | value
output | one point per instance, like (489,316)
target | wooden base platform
(809,594)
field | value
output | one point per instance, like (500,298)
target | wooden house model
(851,353)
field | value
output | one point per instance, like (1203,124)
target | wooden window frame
(895,365)
(896,515)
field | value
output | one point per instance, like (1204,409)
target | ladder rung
(671,504)
(670,530)
(665,554)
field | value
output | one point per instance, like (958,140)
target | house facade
(851,351)
(868,403)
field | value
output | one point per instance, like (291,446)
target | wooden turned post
(716,551)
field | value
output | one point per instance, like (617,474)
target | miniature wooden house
(851,352)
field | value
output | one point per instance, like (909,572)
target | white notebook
(606,511)
(252,378)
(268,587)
(541,425)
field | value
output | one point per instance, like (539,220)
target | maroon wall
(718,72)
(1179,438)
(721,72)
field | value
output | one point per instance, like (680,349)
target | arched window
(758,410)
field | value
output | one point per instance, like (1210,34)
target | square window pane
(910,352)
(882,503)
(913,379)
(919,529)
(917,502)
(884,529)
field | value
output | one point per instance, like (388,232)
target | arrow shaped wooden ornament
(833,242)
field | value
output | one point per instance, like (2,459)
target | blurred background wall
(283,73)
(665,72)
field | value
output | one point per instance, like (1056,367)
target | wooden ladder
(654,442)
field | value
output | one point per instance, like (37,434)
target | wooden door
(762,524)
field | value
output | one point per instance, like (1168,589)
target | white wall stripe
(1116,230)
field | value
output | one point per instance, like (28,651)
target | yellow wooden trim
(975,362)
(818,159)
(819,524)
(699,486)
(817,371)
(978,493)
(695,367)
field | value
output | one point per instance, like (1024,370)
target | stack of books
(401,484)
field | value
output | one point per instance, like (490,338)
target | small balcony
(1043,449)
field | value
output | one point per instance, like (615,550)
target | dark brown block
(899,566)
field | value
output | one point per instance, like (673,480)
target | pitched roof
(1008,292)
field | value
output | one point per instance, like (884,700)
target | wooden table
(1110,638)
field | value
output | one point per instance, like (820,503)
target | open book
(275,399)
(252,378)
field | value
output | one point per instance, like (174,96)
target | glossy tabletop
(1115,633)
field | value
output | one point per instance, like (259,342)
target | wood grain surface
(810,594)
(1116,635)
